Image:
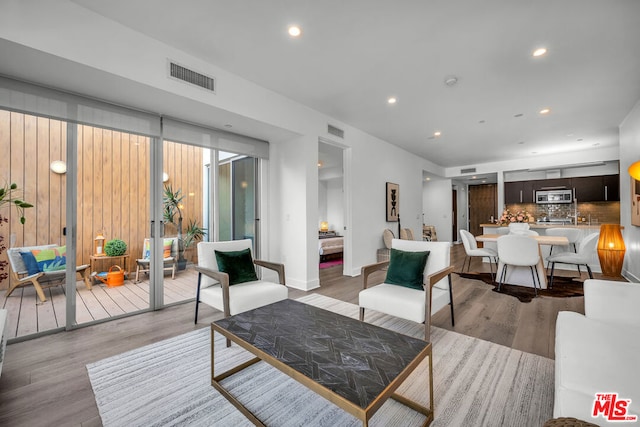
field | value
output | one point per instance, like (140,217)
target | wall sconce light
(611,250)
(324,226)
(634,170)
(59,167)
(165,177)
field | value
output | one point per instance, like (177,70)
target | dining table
(522,275)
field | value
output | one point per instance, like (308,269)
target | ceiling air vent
(335,131)
(186,75)
(469,170)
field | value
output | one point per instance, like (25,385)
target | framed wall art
(393,202)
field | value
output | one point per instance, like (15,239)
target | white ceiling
(354,54)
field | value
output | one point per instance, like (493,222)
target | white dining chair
(515,227)
(519,251)
(472,250)
(572,234)
(586,249)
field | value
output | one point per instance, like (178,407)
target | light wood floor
(28,315)
(44,381)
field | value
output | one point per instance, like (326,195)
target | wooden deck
(27,315)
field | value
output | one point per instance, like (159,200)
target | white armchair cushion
(614,302)
(395,300)
(244,296)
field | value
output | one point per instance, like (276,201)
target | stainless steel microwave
(554,196)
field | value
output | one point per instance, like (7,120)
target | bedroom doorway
(331,211)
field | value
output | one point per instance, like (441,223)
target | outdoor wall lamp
(59,167)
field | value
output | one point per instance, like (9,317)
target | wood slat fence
(113,183)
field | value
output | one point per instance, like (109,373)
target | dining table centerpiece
(509,217)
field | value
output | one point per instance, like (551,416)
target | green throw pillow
(238,265)
(407,268)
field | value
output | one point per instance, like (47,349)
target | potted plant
(193,233)
(173,214)
(7,198)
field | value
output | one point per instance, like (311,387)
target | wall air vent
(335,131)
(186,75)
(469,170)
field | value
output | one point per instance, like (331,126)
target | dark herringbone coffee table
(353,364)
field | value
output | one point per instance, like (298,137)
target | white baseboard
(303,285)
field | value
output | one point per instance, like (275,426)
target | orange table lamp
(611,250)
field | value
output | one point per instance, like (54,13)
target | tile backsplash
(596,212)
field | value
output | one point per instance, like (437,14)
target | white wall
(629,153)
(322,202)
(330,204)
(335,209)
(437,207)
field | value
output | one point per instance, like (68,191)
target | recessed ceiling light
(392,100)
(294,31)
(540,51)
(545,111)
(431,137)
(534,152)
(319,163)
(518,115)
(228,125)
(481,121)
(596,144)
(437,133)
(579,139)
(450,80)
(520,142)
(428,179)
(474,177)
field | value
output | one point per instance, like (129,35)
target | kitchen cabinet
(587,188)
(612,188)
(519,192)
(605,188)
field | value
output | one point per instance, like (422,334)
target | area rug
(329,264)
(476,383)
(563,287)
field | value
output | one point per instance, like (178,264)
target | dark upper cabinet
(519,192)
(612,188)
(604,188)
(587,188)
(528,192)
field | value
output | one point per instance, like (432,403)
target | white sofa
(599,352)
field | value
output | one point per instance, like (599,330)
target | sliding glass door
(237,197)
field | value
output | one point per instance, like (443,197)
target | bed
(330,248)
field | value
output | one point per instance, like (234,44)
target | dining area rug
(563,287)
(168,383)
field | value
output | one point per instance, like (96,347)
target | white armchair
(408,303)
(598,352)
(216,290)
